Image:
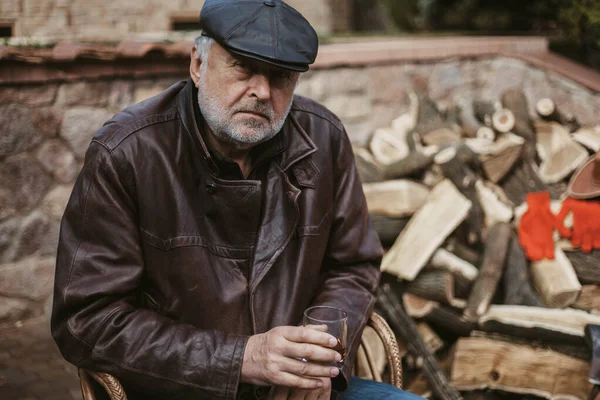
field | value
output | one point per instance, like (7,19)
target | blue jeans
(361,389)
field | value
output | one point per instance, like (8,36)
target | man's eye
(281,75)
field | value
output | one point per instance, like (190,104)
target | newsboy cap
(266,30)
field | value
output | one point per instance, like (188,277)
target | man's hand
(274,358)
(283,393)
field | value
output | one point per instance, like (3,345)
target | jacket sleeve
(353,255)
(97,318)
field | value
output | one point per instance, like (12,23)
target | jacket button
(211,188)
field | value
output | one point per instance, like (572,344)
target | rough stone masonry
(47,128)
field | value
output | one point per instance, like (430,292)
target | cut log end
(444,156)
(545,107)
(485,133)
(503,120)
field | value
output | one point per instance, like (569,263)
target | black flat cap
(266,30)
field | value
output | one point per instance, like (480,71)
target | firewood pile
(446,190)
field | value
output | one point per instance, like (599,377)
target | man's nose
(260,86)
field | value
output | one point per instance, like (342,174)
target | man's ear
(195,64)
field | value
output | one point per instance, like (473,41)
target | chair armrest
(388,338)
(111,384)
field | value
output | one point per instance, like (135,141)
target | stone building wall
(47,128)
(117,18)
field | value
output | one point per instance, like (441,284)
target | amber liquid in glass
(340,348)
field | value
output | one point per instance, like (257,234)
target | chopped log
(445,260)
(463,251)
(484,110)
(444,210)
(368,169)
(588,137)
(483,363)
(503,120)
(387,147)
(432,176)
(592,339)
(405,124)
(436,285)
(522,180)
(578,351)
(560,154)
(515,101)
(547,109)
(586,266)
(469,158)
(419,386)
(436,314)
(589,298)
(432,341)
(547,324)
(429,117)
(464,179)
(388,228)
(405,327)
(441,137)
(494,209)
(516,279)
(498,157)
(491,270)
(472,127)
(415,163)
(555,280)
(395,198)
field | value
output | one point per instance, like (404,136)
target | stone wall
(117,18)
(47,128)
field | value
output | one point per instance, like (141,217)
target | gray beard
(242,135)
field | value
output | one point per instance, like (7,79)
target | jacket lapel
(281,213)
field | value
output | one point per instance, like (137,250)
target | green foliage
(580,20)
(404,13)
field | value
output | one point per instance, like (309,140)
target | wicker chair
(369,363)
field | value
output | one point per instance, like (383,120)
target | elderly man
(208,218)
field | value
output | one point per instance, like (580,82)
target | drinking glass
(336,321)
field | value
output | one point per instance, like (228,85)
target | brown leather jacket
(165,268)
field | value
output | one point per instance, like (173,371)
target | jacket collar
(298,144)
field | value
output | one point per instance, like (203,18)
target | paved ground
(31,367)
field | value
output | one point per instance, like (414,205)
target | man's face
(244,101)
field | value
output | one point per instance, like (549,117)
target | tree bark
(414,164)
(437,315)
(515,101)
(491,270)
(516,280)
(388,228)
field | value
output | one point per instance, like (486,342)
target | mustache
(256,107)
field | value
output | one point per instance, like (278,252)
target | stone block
(147,89)
(93,94)
(350,108)
(37,236)
(80,125)
(389,84)
(31,95)
(55,202)
(584,110)
(19,131)
(121,95)
(446,78)
(58,160)
(505,73)
(13,309)
(7,231)
(47,121)
(335,82)
(23,182)
(32,278)
(419,75)
(359,133)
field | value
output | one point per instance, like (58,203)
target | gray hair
(203,45)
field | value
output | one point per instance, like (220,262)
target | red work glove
(586,223)
(537,226)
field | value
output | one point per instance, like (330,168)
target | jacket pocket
(313,230)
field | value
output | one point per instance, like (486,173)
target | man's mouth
(254,113)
